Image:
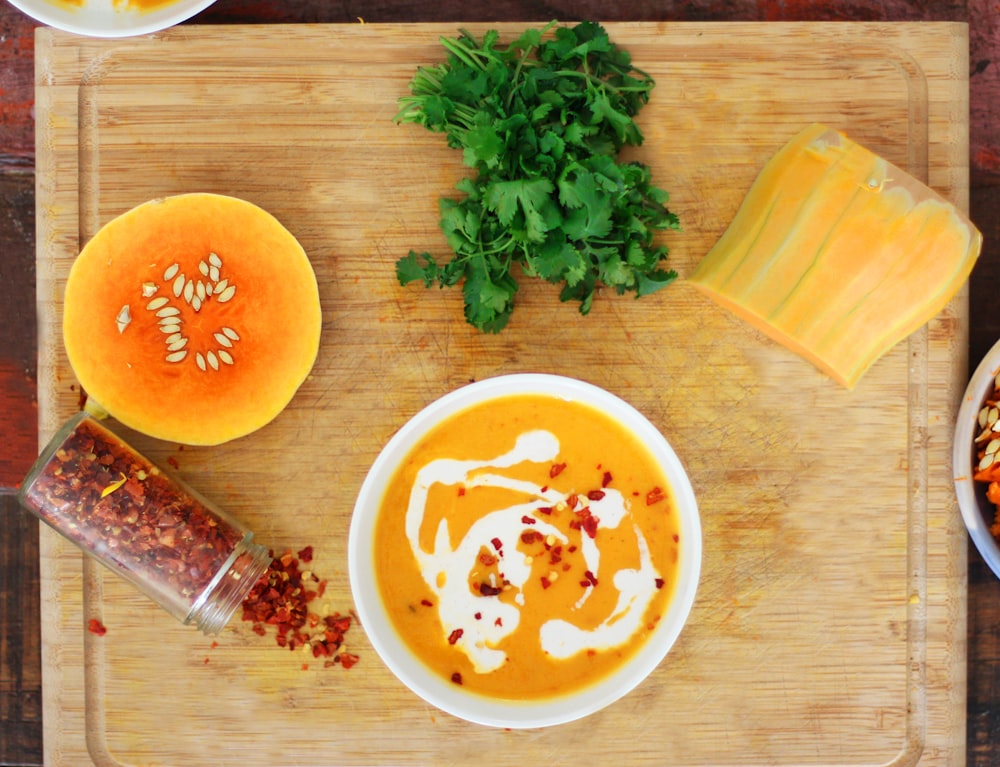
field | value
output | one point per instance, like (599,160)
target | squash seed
(174,338)
(171,271)
(227,294)
(156,303)
(212,360)
(179,285)
(225,356)
(223,339)
(213,274)
(124,318)
(203,268)
(170,320)
(231,333)
(214,260)
(168,311)
(200,360)
(170,329)
(177,356)
(200,290)
(180,343)
(987,461)
(196,304)
(149,288)
(189,291)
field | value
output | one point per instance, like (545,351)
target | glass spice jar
(190,557)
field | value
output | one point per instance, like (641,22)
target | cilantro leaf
(540,122)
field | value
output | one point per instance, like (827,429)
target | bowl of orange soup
(111,18)
(525,551)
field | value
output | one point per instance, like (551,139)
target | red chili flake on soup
(655,496)
(556,469)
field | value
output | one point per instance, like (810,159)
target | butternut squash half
(192,318)
(838,254)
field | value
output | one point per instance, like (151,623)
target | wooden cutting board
(830,622)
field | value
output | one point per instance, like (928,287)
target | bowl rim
(513,714)
(969,493)
(109,23)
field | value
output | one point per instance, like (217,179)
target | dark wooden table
(20,651)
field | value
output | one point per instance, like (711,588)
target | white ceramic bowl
(452,698)
(101,18)
(977,512)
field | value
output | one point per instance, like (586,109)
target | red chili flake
(305,555)
(456,678)
(591,579)
(105,497)
(173,462)
(590,525)
(461,490)
(572,548)
(546,510)
(478,616)
(556,469)
(595,495)
(528,520)
(455,635)
(94,626)
(544,488)
(321,589)
(676,538)
(214,645)
(572,500)
(487,590)
(497,544)
(655,496)
(531,536)
(606,479)
(280,599)
(206,661)
(546,582)
(487,559)
(426,603)
(555,555)
(498,622)
(659,583)
(348,659)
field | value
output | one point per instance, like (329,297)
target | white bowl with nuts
(976,458)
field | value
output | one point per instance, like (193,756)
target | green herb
(541,121)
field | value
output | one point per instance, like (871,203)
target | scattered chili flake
(545,582)
(478,616)
(546,510)
(528,520)
(556,469)
(497,544)
(461,490)
(280,599)
(487,559)
(498,622)
(487,590)
(591,579)
(348,659)
(173,462)
(426,602)
(456,678)
(531,536)
(606,479)
(95,627)
(659,583)
(455,635)
(655,496)
(595,495)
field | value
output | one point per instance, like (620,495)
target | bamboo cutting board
(830,622)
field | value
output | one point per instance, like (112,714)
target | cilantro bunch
(541,121)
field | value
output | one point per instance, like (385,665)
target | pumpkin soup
(527,546)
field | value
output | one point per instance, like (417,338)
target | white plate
(100,18)
(453,698)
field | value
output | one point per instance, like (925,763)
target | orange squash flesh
(192,318)
(838,254)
